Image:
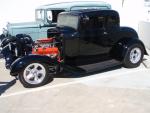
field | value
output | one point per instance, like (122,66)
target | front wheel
(34,75)
(134,56)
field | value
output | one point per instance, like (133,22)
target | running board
(84,69)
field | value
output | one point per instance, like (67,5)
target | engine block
(46,46)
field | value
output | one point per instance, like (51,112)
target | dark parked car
(80,38)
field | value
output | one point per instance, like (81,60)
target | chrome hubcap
(34,73)
(135,55)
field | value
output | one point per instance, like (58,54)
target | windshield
(68,21)
(52,15)
(49,16)
(40,14)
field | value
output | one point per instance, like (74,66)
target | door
(94,39)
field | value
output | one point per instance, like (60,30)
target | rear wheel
(34,75)
(134,56)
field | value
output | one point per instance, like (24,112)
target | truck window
(49,15)
(93,23)
(52,15)
(40,14)
(112,21)
(91,27)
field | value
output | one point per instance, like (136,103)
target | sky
(23,10)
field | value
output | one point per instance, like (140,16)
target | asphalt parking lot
(119,90)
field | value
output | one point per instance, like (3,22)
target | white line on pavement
(79,80)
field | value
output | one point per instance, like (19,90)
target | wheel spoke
(29,76)
(41,71)
(29,70)
(36,67)
(36,79)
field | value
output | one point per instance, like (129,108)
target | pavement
(119,90)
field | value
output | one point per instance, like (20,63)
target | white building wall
(144,25)
(144,33)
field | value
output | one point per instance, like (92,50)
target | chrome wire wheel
(135,55)
(34,73)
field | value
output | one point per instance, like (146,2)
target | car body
(80,38)
(46,17)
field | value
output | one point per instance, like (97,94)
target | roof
(68,5)
(92,12)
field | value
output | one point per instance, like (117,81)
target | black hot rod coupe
(80,38)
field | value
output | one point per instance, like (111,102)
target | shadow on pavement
(6,85)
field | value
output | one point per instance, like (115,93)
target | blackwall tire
(34,75)
(134,56)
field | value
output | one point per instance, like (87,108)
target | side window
(92,27)
(101,22)
(93,22)
(112,21)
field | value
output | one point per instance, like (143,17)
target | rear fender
(21,63)
(119,50)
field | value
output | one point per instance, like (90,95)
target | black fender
(8,55)
(128,32)
(21,63)
(119,50)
